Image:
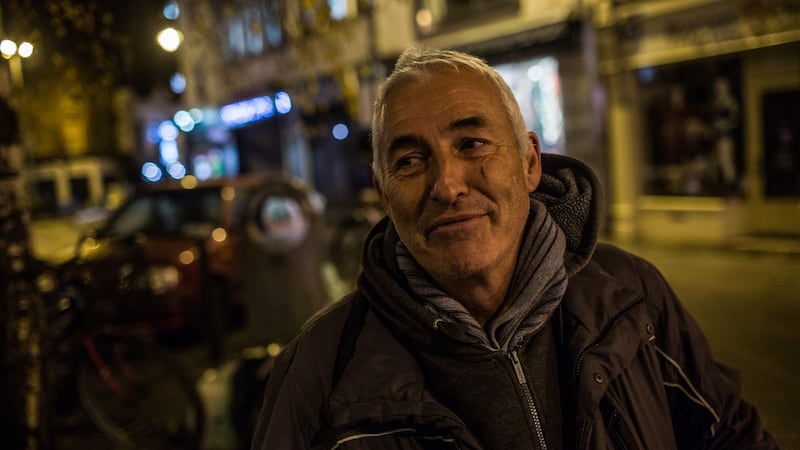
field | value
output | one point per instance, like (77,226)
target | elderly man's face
(454,181)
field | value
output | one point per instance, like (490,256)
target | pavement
(746,297)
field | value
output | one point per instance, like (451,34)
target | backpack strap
(347,341)
(347,344)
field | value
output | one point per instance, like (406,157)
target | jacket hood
(574,197)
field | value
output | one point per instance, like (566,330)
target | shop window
(537,87)
(693,129)
(781,124)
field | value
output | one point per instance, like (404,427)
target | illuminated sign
(258,108)
(246,111)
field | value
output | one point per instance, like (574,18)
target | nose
(448,180)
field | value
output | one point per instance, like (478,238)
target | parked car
(168,258)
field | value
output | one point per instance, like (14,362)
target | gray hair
(418,61)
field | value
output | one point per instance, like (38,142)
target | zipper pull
(517,367)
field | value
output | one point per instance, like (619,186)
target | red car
(168,258)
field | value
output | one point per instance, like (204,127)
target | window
(537,87)
(188,212)
(693,138)
(254,29)
(781,125)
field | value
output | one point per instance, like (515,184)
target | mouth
(454,223)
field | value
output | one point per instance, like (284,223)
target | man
(487,315)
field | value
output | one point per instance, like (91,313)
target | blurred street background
(200,169)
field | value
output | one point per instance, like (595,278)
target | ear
(534,161)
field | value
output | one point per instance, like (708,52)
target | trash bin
(283,253)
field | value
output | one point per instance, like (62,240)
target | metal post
(22,378)
(213,309)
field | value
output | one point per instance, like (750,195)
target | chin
(448,266)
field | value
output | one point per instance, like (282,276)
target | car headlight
(162,279)
(91,248)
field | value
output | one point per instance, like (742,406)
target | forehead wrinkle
(413,99)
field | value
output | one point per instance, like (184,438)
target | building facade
(329,57)
(702,119)
(686,109)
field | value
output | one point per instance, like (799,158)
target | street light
(14,54)
(169,39)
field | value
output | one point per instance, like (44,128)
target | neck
(481,296)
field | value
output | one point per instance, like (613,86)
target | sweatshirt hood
(574,197)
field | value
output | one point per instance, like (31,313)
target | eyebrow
(467,122)
(410,140)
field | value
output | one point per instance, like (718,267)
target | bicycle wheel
(143,399)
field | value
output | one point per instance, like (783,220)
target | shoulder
(614,280)
(314,347)
(626,268)
(305,364)
(327,319)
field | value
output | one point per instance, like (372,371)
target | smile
(455,224)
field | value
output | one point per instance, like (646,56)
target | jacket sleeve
(705,396)
(284,421)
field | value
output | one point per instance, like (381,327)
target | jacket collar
(602,327)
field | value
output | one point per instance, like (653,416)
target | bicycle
(131,390)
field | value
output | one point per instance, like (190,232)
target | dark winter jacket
(621,364)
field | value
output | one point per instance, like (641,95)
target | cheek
(398,200)
(504,172)
(508,186)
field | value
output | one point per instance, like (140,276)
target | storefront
(703,121)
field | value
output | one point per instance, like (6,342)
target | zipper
(526,390)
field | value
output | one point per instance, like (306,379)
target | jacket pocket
(621,432)
(618,432)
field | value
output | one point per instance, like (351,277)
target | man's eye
(471,144)
(404,161)
(407,165)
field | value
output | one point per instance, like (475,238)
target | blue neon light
(283,103)
(246,111)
